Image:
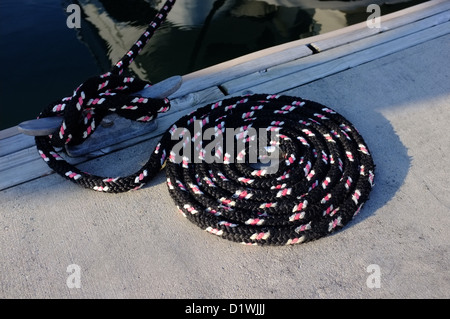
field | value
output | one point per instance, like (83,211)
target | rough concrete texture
(136,245)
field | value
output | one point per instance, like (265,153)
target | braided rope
(325,175)
(323,178)
(90,103)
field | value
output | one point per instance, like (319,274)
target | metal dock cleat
(113,129)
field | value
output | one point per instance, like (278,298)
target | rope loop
(97,97)
(90,102)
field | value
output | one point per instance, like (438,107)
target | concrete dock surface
(137,245)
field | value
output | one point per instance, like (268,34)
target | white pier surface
(392,83)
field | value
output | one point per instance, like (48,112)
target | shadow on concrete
(376,98)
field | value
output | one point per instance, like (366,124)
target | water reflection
(200,33)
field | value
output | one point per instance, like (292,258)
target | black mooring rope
(324,175)
(90,103)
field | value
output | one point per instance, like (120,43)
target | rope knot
(98,97)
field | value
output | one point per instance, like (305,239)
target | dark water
(43,60)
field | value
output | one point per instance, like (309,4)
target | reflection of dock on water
(201,33)
(189,40)
(392,83)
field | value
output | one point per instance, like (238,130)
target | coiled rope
(323,176)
